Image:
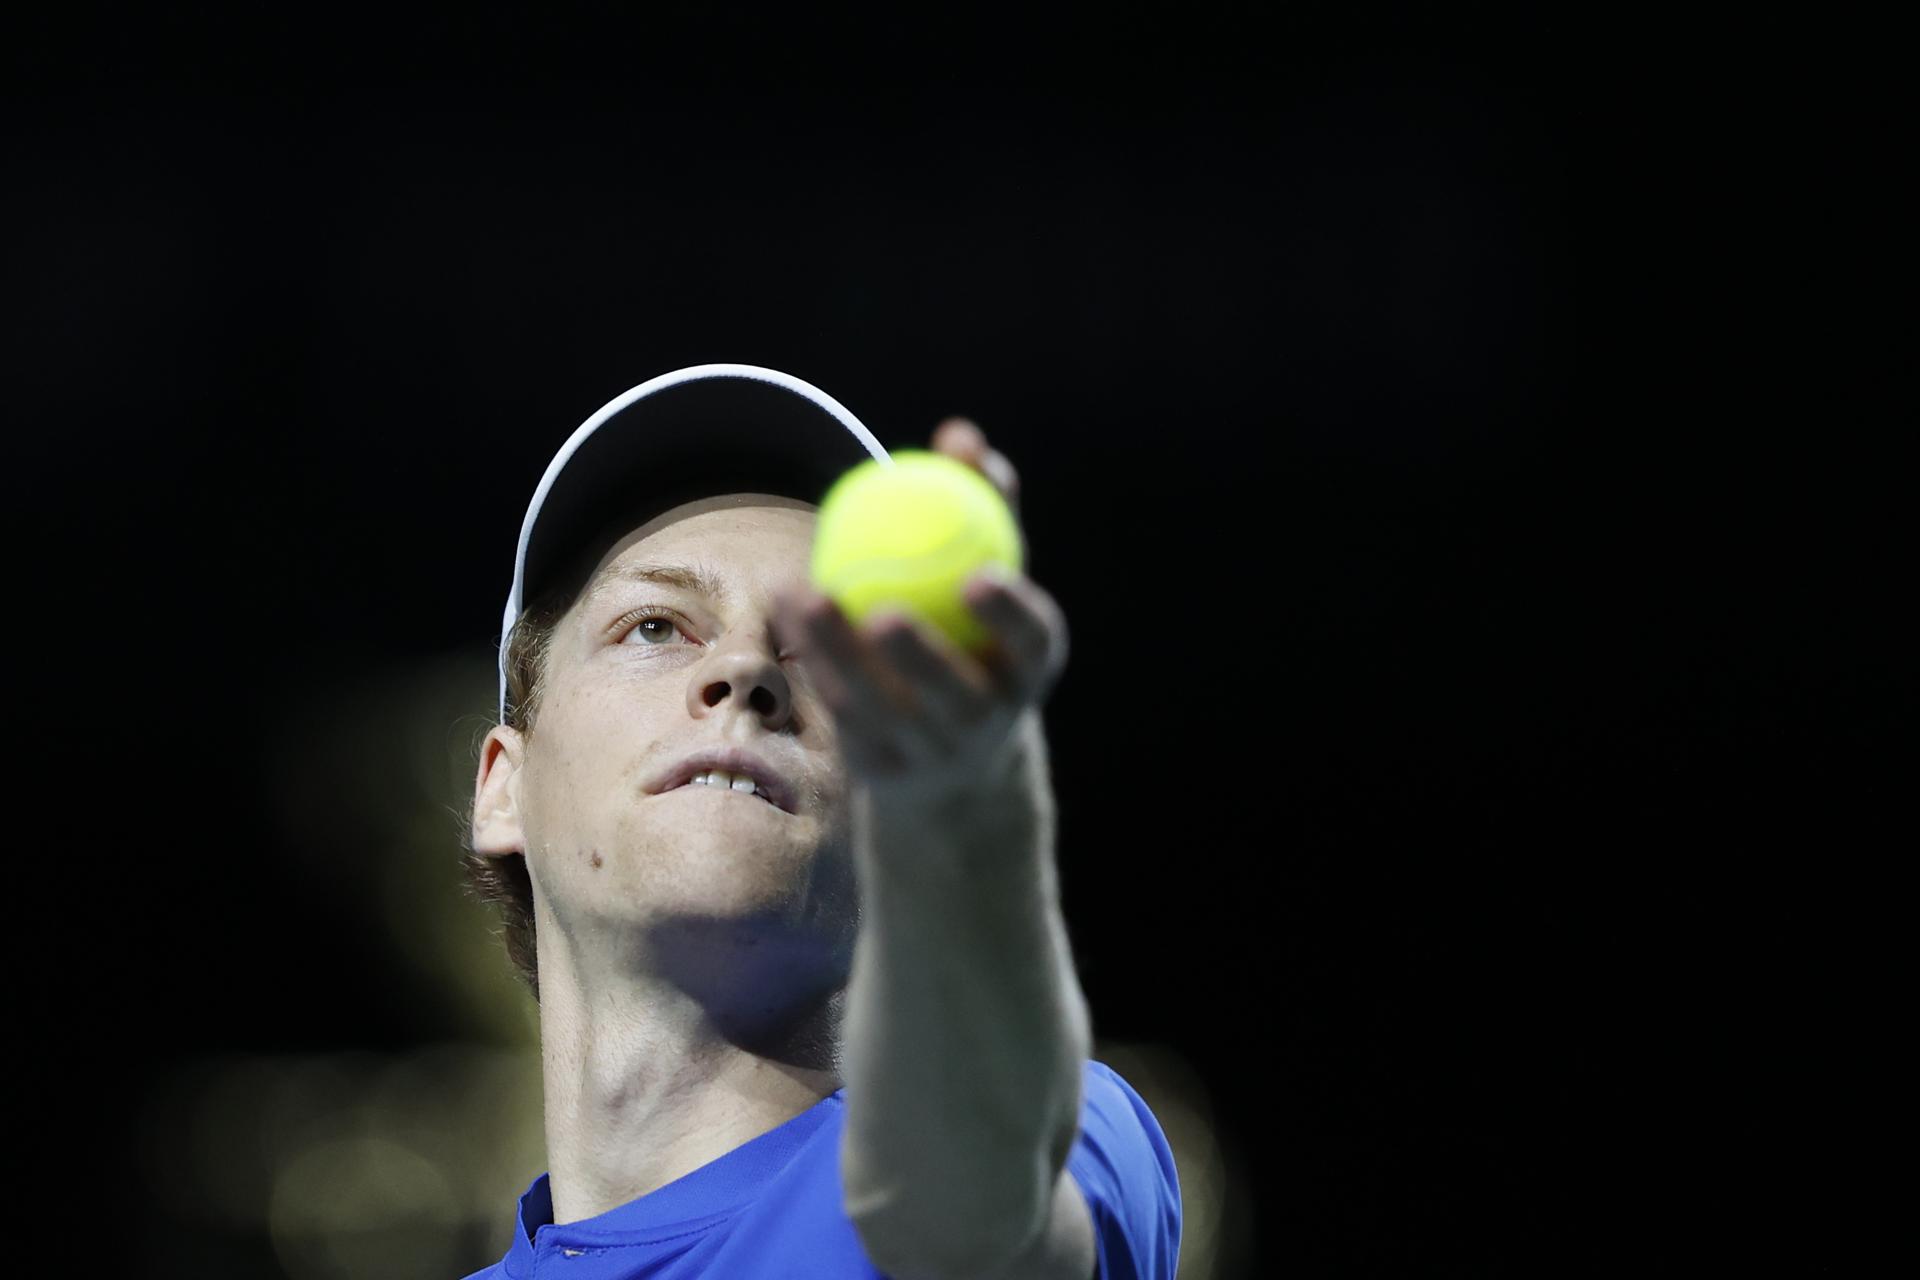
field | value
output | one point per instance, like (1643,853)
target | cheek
(617,710)
(583,774)
(622,695)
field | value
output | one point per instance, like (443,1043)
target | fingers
(952,691)
(838,666)
(897,691)
(1030,631)
(962,438)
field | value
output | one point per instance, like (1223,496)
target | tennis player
(784,888)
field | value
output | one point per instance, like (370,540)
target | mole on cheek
(596,858)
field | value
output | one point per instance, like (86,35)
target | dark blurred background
(1453,751)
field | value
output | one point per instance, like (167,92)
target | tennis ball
(910,534)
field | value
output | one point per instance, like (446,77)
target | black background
(1457,762)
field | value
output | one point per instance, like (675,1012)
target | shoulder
(1124,1168)
(1119,1135)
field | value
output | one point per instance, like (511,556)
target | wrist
(998,821)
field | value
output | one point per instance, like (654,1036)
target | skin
(695,947)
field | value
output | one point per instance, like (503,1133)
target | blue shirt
(771,1207)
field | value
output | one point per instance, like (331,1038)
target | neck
(660,1058)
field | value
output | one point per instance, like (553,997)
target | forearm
(966,1030)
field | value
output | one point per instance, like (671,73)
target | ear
(497,829)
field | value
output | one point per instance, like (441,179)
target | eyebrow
(687,577)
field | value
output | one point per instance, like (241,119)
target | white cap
(692,433)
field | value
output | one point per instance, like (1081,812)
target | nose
(747,674)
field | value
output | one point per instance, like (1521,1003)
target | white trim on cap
(615,405)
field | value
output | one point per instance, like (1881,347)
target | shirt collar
(714,1189)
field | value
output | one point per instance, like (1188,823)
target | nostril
(762,699)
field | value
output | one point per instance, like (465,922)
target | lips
(779,792)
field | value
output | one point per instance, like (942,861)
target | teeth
(732,781)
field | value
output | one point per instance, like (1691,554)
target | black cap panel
(692,440)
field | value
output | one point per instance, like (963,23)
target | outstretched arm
(966,1030)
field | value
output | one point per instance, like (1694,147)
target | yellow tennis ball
(911,534)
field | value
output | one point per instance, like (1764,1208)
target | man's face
(644,672)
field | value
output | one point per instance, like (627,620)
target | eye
(652,623)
